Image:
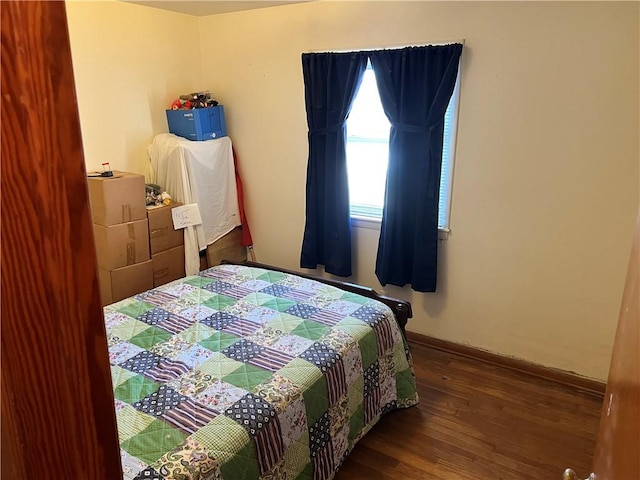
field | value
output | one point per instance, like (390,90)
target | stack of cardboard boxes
(166,245)
(121,233)
(136,246)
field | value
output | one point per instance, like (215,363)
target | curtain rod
(391,47)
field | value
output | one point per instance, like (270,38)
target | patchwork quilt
(245,373)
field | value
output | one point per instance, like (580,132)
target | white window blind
(448,156)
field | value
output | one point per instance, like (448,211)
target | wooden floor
(477,421)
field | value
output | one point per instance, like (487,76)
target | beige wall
(547,168)
(129,63)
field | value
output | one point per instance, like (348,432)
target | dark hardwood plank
(479,421)
(58,419)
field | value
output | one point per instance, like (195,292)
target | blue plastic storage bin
(198,124)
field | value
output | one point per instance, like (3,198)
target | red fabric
(246,240)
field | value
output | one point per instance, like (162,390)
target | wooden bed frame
(400,308)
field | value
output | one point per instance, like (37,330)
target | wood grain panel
(617,454)
(58,418)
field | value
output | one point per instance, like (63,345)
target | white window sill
(374,224)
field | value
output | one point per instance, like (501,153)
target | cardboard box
(162,235)
(121,245)
(121,283)
(117,199)
(168,266)
(198,124)
(227,248)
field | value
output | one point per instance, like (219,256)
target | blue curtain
(415,86)
(331,81)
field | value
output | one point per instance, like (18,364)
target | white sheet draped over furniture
(202,173)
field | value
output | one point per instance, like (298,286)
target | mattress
(246,373)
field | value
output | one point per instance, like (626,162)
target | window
(368,150)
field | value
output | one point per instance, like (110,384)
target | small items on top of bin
(194,100)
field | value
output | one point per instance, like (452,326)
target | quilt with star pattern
(245,373)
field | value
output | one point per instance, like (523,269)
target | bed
(244,372)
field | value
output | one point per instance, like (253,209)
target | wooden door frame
(616,456)
(58,416)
